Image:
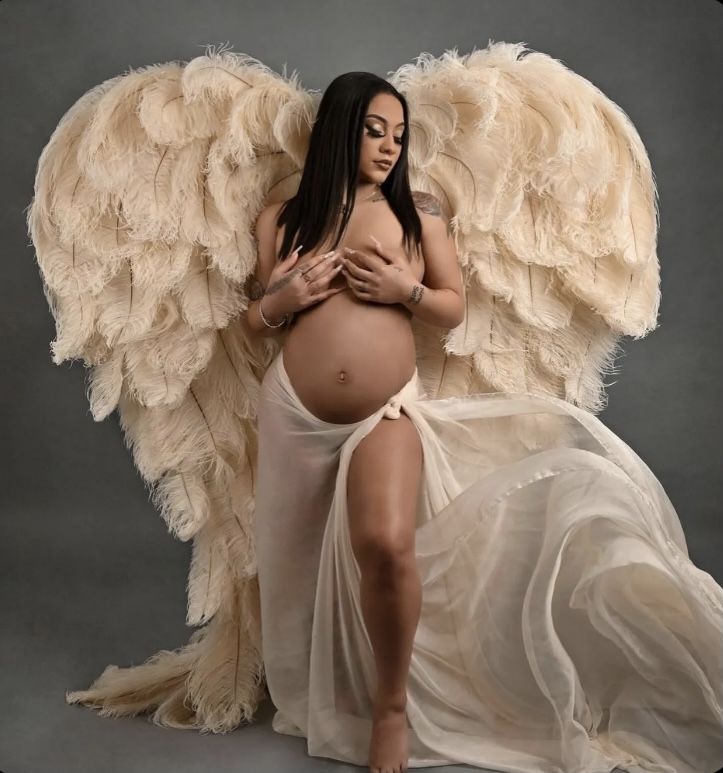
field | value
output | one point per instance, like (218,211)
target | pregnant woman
(349,349)
(408,523)
(342,524)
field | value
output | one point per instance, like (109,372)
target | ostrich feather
(181,497)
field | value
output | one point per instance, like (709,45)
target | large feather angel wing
(142,222)
(552,199)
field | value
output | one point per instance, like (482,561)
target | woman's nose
(388,145)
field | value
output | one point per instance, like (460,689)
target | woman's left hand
(382,277)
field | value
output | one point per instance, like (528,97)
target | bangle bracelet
(266,322)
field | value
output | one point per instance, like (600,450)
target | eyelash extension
(372,133)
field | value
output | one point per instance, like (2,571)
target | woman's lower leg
(391,597)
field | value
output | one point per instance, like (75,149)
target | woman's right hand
(292,288)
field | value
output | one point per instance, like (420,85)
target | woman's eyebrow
(381,118)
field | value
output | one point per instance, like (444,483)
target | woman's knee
(385,549)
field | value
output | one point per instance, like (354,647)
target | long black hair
(330,169)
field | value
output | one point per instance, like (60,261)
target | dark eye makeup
(377,134)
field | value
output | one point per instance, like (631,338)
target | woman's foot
(389,746)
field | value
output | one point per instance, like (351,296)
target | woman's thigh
(382,488)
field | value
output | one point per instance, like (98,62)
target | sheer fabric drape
(563,626)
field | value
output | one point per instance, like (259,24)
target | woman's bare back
(344,356)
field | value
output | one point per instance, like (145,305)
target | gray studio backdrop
(89,573)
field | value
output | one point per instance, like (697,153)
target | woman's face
(381,138)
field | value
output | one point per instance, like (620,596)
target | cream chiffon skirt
(563,626)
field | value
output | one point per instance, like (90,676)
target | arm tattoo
(255,289)
(416,295)
(279,283)
(427,202)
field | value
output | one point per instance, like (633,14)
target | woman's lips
(383,164)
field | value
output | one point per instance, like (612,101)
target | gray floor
(107,607)
(42,734)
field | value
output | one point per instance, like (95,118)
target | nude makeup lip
(384,164)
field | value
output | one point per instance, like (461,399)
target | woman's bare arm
(258,281)
(439,300)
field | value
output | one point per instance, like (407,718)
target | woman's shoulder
(267,220)
(267,223)
(428,204)
(271,211)
(433,217)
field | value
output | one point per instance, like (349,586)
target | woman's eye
(376,134)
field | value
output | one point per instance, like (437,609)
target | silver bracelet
(266,322)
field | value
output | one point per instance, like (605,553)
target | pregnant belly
(345,357)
